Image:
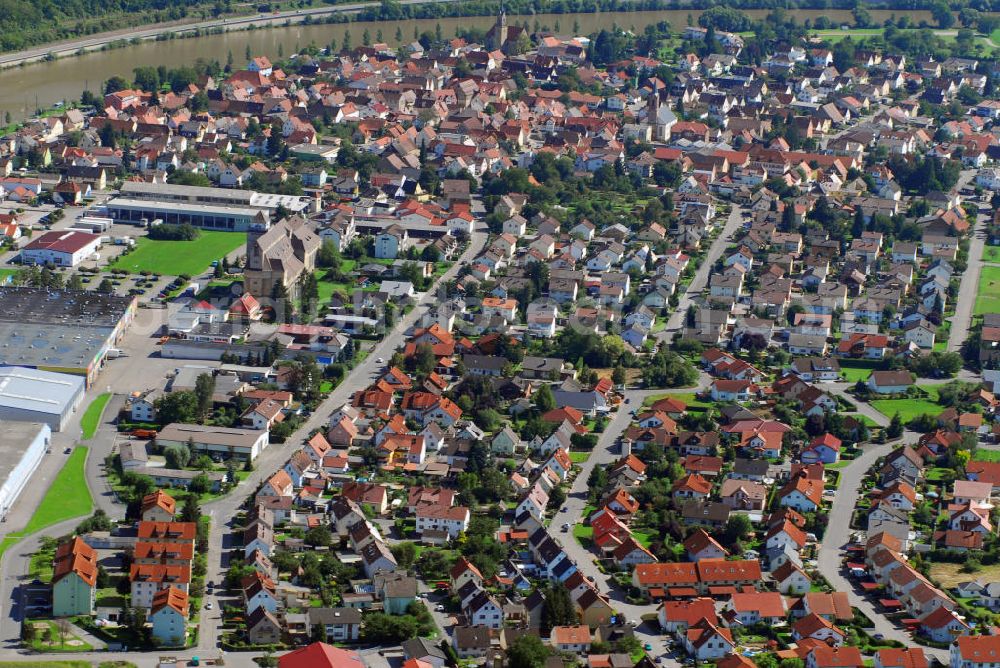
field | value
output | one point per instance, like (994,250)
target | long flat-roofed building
(31,395)
(21,450)
(209,208)
(65,331)
(224,442)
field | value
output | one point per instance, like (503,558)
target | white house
(453,520)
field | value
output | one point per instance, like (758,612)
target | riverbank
(62,72)
(287,18)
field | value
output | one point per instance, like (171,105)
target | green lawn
(68,497)
(579,457)
(938,474)
(983,455)
(687,397)
(834,36)
(864,419)
(907,408)
(173,258)
(643,538)
(988,297)
(5,272)
(991,254)
(854,374)
(92,417)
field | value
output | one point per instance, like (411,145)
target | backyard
(988,297)
(56,636)
(984,455)
(174,258)
(908,409)
(948,575)
(991,254)
(689,398)
(855,370)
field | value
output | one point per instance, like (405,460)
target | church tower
(497,36)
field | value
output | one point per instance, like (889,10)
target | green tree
(190,511)
(543,399)
(204,389)
(558,608)
(737,528)
(177,407)
(115,84)
(177,456)
(528,651)
(146,78)
(319,536)
(200,484)
(405,553)
(895,428)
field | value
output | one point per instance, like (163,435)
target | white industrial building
(62,248)
(33,395)
(21,450)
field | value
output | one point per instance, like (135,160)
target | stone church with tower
(503,37)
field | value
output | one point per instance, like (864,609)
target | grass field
(991,254)
(907,408)
(949,575)
(68,497)
(854,374)
(579,457)
(689,398)
(988,296)
(983,455)
(853,33)
(864,419)
(92,417)
(173,258)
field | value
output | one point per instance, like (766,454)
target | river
(40,85)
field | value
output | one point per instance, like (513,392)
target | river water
(40,85)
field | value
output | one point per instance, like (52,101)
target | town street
(969,281)
(676,321)
(605,453)
(838,535)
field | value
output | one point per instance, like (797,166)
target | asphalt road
(969,281)
(605,453)
(700,280)
(838,535)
